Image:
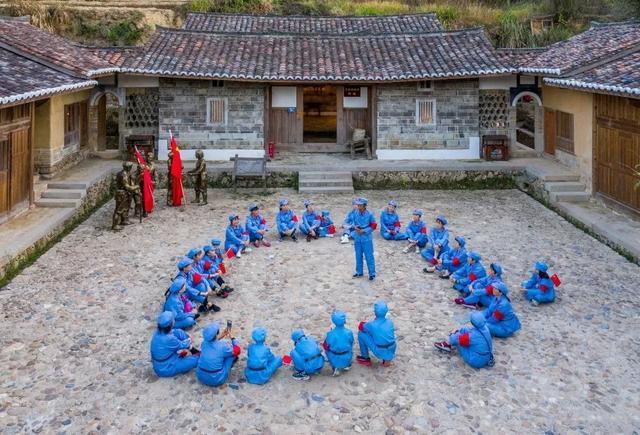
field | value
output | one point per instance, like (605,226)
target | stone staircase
(565,188)
(325,182)
(62,195)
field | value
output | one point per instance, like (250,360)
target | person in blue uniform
(306,356)
(438,243)
(211,270)
(287,221)
(364,224)
(172,352)
(347,224)
(473,342)
(378,337)
(338,344)
(237,237)
(465,276)
(197,291)
(416,233)
(217,356)
(182,319)
(502,321)
(539,288)
(261,362)
(390,226)
(454,258)
(310,221)
(482,288)
(256,226)
(327,227)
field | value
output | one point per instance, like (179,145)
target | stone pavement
(77,323)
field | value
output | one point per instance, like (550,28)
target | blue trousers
(185,323)
(255,236)
(397,236)
(260,377)
(479,295)
(364,248)
(365,341)
(178,366)
(218,378)
(311,367)
(538,296)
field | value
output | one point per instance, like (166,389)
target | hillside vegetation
(118,22)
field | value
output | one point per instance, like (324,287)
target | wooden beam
(341,128)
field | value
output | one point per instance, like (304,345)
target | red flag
(197,278)
(396,224)
(177,189)
(222,268)
(294,218)
(263,221)
(286,360)
(556,281)
(230,254)
(147,184)
(332,229)
(423,230)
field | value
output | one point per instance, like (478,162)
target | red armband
(455,261)
(183,352)
(489,290)
(361,326)
(332,229)
(294,218)
(472,276)
(434,261)
(544,288)
(325,345)
(197,278)
(396,224)
(236,350)
(263,221)
(373,225)
(207,265)
(497,314)
(424,230)
(464,340)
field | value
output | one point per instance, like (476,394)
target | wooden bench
(247,167)
(360,142)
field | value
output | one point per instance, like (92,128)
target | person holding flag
(175,173)
(236,241)
(540,288)
(146,184)
(416,233)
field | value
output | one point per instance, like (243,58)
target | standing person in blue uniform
(182,318)
(286,221)
(454,258)
(364,224)
(377,336)
(390,226)
(261,362)
(338,344)
(217,356)
(465,276)
(237,237)
(172,352)
(256,226)
(310,221)
(347,224)
(306,356)
(416,233)
(501,319)
(482,288)
(438,242)
(474,342)
(539,288)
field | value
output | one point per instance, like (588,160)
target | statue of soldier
(136,178)
(152,168)
(124,189)
(200,175)
(169,182)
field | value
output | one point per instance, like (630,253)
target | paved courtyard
(76,326)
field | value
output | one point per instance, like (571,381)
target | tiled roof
(238,23)
(21,37)
(269,57)
(519,57)
(600,41)
(116,56)
(620,77)
(24,80)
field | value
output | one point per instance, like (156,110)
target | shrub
(124,33)
(380,8)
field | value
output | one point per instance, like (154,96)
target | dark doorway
(320,111)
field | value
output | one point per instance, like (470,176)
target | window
(216,111)
(425,111)
(217,83)
(564,131)
(425,86)
(75,120)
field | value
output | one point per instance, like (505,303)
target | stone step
(70,185)
(57,203)
(64,193)
(564,186)
(325,183)
(330,189)
(325,176)
(569,196)
(561,177)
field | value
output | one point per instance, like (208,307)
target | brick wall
(456,115)
(183,108)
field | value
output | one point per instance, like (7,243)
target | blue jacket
(164,348)
(416,231)
(482,283)
(367,222)
(255,224)
(310,219)
(469,273)
(338,344)
(235,236)
(389,221)
(175,304)
(349,218)
(439,237)
(284,220)
(501,319)
(307,356)
(474,343)
(449,258)
(193,290)
(382,332)
(261,362)
(211,368)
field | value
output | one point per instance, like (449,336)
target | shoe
(202,308)
(294,238)
(406,250)
(372,277)
(223,295)
(214,308)
(344,239)
(534,302)
(459,301)
(194,351)
(228,289)
(386,364)
(336,372)
(364,361)
(265,243)
(300,376)
(256,243)
(330,235)
(196,316)
(357,275)
(308,237)
(443,346)
(247,250)
(444,275)
(239,254)
(429,269)
(470,306)
(347,368)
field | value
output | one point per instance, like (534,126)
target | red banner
(147,183)
(177,189)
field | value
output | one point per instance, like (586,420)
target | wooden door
(549,131)
(350,118)
(4,175)
(284,124)
(20,174)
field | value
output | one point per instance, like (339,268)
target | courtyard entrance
(320,116)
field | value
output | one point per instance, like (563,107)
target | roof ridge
(301,16)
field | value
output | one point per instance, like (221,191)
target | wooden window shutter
(217,111)
(564,131)
(426,112)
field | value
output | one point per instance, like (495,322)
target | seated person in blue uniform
(327,227)
(438,243)
(217,356)
(256,226)
(197,290)
(286,221)
(501,319)
(261,363)
(465,276)
(237,237)
(338,344)
(473,342)
(454,258)
(347,224)
(211,271)
(482,288)
(539,288)
(378,337)
(416,233)
(172,352)
(182,318)
(310,224)
(390,226)
(306,356)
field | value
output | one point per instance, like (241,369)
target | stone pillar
(539,129)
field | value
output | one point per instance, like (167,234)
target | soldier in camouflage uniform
(200,178)
(152,168)
(125,187)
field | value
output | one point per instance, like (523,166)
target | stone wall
(456,115)
(183,108)
(139,114)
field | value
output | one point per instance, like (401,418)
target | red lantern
(271,150)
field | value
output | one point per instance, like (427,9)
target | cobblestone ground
(76,327)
